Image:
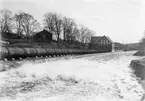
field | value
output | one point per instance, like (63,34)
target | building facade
(102,43)
(43,36)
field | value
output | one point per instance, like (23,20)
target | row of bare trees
(25,24)
(21,23)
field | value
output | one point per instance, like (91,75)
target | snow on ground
(93,77)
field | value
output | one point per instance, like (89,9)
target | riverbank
(139,70)
(140,53)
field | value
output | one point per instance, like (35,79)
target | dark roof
(109,39)
(42,32)
(96,39)
(7,35)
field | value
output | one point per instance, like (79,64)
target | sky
(122,20)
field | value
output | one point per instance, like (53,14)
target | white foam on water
(113,76)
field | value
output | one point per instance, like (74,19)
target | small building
(9,36)
(102,43)
(43,36)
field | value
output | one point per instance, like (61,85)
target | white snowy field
(93,77)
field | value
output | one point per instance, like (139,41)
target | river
(91,77)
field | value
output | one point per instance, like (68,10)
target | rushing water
(94,77)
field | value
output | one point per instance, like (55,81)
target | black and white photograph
(72,50)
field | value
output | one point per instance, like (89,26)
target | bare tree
(68,27)
(6,21)
(75,32)
(85,34)
(89,35)
(53,23)
(18,18)
(26,24)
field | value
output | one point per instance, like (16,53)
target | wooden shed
(43,36)
(102,43)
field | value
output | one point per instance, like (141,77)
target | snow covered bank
(139,67)
(140,53)
(95,77)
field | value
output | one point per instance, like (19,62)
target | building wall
(42,36)
(105,45)
(113,47)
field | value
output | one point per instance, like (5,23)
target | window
(101,41)
(107,42)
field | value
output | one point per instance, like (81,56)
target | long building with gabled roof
(102,43)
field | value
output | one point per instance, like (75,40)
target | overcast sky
(121,20)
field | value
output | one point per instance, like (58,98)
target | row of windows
(104,47)
(103,41)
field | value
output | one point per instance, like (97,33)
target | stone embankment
(140,53)
(139,67)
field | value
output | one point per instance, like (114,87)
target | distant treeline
(25,25)
(127,47)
